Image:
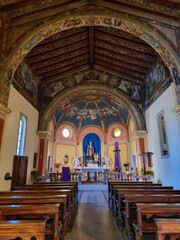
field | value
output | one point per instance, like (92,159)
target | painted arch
(117,95)
(103,18)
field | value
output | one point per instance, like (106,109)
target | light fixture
(66,158)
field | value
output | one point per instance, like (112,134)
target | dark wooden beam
(119,69)
(58,44)
(64,69)
(124,50)
(135,8)
(64,34)
(119,57)
(121,63)
(61,65)
(57,52)
(77,70)
(124,42)
(109,71)
(60,58)
(91,44)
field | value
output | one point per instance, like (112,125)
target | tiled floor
(94,220)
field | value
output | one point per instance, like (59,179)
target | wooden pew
(44,199)
(167,227)
(25,229)
(117,188)
(45,211)
(55,188)
(56,184)
(70,206)
(111,184)
(43,188)
(148,212)
(119,198)
(111,187)
(132,199)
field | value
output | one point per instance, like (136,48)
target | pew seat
(24,229)
(167,227)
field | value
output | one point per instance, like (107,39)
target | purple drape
(117,161)
(65,174)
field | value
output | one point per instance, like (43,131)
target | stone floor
(94,220)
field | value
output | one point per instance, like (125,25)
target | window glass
(66,133)
(21,136)
(117,132)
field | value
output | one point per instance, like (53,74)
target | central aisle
(94,220)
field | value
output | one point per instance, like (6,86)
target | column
(142,147)
(4,111)
(42,152)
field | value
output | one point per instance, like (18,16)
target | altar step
(93,186)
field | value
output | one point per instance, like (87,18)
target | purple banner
(117,161)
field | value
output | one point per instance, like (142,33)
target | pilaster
(42,152)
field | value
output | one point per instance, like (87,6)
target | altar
(92,172)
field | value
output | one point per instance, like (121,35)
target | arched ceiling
(92,109)
(85,55)
(90,55)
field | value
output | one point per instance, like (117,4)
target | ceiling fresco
(91,109)
(93,55)
(96,55)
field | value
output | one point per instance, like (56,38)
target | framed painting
(164,149)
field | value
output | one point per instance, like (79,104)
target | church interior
(90,82)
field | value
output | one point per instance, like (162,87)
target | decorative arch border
(118,95)
(92,129)
(99,18)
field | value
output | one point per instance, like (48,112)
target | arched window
(21,136)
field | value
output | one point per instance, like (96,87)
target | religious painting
(26,83)
(164,149)
(157,82)
(134,92)
(176,76)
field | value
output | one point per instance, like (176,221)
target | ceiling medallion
(113,81)
(91,98)
(69,82)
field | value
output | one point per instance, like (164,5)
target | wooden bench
(57,184)
(70,206)
(25,229)
(43,188)
(55,188)
(112,187)
(118,201)
(148,212)
(34,212)
(117,188)
(44,199)
(167,227)
(111,184)
(132,199)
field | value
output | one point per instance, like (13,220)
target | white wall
(166,169)
(18,105)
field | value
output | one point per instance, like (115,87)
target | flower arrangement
(126,165)
(57,165)
(34,175)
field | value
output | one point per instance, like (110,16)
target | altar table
(92,172)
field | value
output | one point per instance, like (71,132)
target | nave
(94,220)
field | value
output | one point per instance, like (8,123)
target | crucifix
(116,156)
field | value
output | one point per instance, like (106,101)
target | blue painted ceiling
(98,110)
